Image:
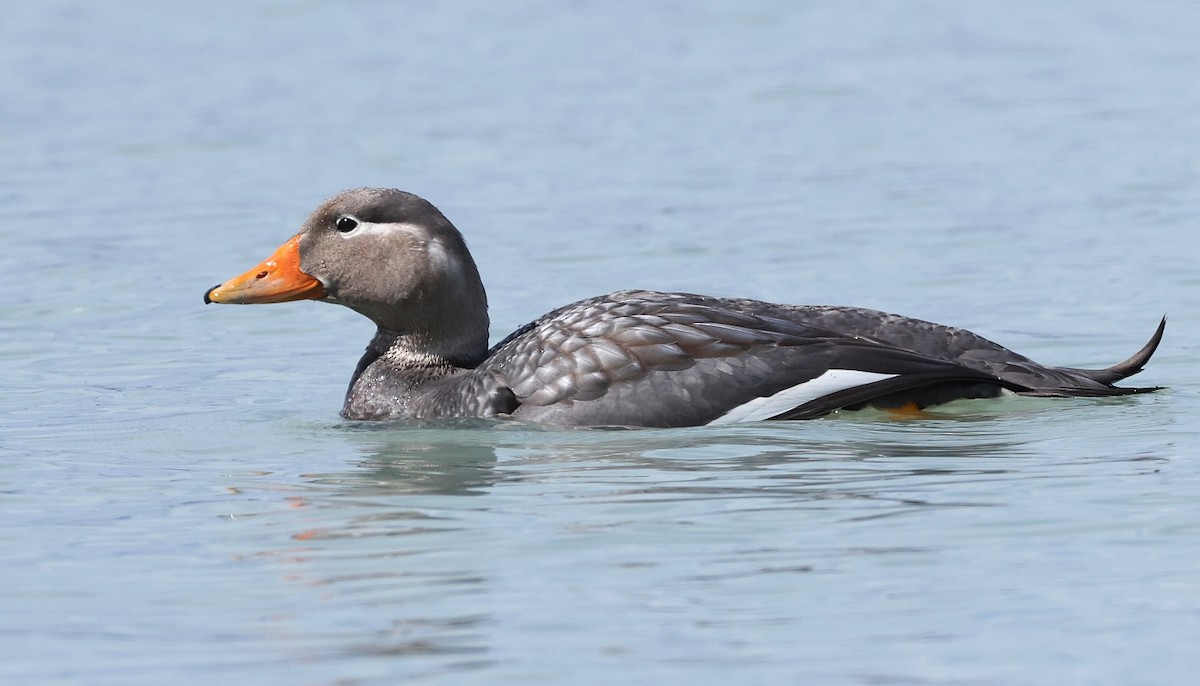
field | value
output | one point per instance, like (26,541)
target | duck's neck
(397,364)
(435,331)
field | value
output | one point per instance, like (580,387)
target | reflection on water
(399,465)
(393,533)
(792,459)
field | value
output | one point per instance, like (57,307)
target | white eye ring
(346,224)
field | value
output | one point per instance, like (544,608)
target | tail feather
(1133,365)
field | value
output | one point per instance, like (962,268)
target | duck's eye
(346,224)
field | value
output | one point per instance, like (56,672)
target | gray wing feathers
(671,359)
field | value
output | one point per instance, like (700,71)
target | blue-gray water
(181,504)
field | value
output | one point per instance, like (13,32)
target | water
(181,503)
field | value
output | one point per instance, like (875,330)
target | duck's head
(387,254)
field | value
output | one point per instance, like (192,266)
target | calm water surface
(181,503)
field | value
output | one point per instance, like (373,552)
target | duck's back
(645,358)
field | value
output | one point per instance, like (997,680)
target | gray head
(387,254)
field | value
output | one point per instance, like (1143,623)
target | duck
(632,358)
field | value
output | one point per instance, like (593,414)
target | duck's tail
(1133,365)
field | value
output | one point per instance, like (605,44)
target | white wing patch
(831,381)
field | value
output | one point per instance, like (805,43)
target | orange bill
(277,279)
